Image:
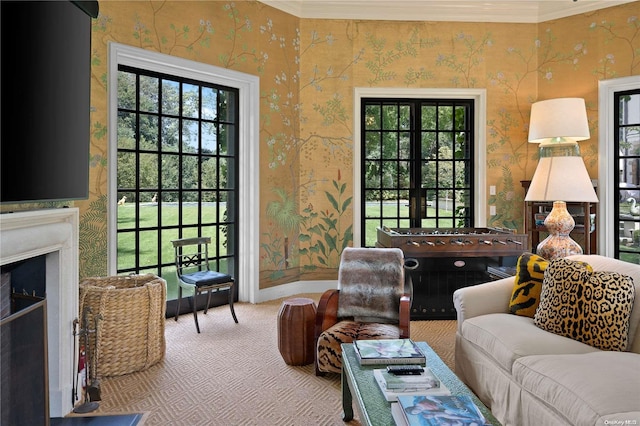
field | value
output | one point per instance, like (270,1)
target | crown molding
(514,11)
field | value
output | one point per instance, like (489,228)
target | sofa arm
(486,298)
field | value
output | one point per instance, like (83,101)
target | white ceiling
(522,11)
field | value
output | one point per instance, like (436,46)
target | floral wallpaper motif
(626,38)
(308,70)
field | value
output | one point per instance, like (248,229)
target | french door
(417,164)
(627,180)
(177,173)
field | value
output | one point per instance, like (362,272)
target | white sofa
(528,376)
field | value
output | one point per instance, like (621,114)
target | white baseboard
(294,288)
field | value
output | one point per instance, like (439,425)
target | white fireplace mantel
(54,233)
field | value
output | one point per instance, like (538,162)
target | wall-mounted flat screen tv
(45,91)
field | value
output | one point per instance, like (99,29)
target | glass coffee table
(359,386)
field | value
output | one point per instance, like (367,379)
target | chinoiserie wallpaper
(308,69)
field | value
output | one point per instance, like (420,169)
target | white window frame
(248,156)
(479,97)
(606,153)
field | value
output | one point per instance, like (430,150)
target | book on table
(434,410)
(430,387)
(424,380)
(388,351)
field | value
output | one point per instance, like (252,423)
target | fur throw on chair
(371,283)
(366,305)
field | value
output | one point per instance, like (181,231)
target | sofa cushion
(506,337)
(584,388)
(528,284)
(591,307)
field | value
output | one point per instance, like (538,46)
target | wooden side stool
(296,322)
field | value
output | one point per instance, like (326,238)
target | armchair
(372,301)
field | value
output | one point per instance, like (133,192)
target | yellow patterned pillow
(587,306)
(526,290)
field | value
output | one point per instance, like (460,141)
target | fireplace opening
(52,233)
(24,389)
(23,278)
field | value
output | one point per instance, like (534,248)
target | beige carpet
(233,374)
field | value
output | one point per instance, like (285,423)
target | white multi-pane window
(417,164)
(627,130)
(177,173)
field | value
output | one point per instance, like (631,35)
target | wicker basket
(130,335)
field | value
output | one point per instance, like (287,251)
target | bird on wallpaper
(122,200)
(154,199)
(634,209)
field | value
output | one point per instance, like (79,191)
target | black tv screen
(45,91)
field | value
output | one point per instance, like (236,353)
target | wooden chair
(373,301)
(196,277)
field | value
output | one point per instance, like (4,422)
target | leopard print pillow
(590,307)
(527,286)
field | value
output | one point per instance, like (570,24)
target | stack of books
(434,410)
(388,351)
(393,386)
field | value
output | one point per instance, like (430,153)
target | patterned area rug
(233,374)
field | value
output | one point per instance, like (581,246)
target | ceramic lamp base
(554,247)
(558,244)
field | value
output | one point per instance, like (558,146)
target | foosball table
(445,259)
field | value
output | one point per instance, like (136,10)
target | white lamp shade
(563,178)
(561,118)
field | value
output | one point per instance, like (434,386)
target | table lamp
(561,175)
